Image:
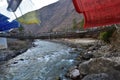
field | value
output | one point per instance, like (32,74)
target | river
(45,61)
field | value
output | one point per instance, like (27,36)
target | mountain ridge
(55,17)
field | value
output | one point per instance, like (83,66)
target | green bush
(106,35)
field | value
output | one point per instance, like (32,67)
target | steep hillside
(55,17)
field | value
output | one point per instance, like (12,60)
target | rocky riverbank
(15,47)
(96,60)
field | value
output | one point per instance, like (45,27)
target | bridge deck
(52,35)
(56,35)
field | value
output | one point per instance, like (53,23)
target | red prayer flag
(98,12)
(103,16)
(86,5)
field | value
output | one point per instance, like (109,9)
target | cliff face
(55,17)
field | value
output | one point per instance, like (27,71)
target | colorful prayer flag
(87,5)
(30,18)
(6,25)
(98,12)
(13,5)
(103,16)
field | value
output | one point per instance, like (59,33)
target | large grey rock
(98,65)
(101,76)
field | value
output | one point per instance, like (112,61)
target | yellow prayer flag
(29,18)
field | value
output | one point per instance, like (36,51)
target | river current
(45,61)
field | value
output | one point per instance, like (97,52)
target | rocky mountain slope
(55,17)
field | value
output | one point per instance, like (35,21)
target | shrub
(106,35)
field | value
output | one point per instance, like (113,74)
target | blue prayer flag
(5,25)
(3,18)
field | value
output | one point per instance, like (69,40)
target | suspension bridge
(52,35)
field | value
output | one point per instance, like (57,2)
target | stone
(15,62)
(89,52)
(101,76)
(74,49)
(97,65)
(88,55)
(74,73)
(21,59)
